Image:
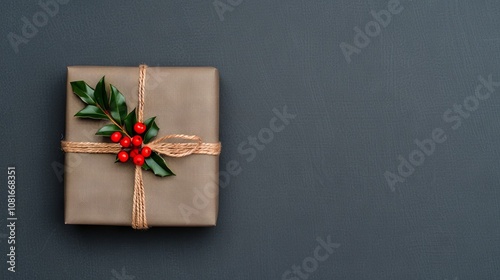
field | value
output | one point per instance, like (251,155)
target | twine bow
(160,145)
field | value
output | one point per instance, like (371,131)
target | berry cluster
(132,147)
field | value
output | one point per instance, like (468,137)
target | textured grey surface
(322,175)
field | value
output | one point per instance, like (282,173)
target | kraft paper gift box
(98,191)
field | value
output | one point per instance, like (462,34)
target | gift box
(100,191)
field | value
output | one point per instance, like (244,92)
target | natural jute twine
(139,220)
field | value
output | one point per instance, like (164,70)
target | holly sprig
(112,107)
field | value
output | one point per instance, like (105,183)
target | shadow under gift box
(185,100)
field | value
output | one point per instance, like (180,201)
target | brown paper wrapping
(185,100)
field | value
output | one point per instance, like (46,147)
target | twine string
(139,220)
(164,148)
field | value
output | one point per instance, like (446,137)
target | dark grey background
(321,176)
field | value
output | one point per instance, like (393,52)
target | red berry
(125,142)
(134,152)
(139,160)
(123,156)
(139,127)
(137,140)
(146,151)
(116,136)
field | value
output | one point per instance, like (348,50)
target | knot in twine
(160,146)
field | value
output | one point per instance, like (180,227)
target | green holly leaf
(158,165)
(84,91)
(117,105)
(91,112)
(151,129)
(129,122)
(100,95)
(108,129)
(145,166)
